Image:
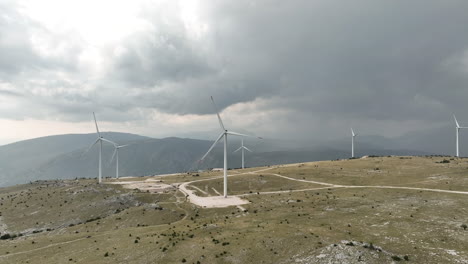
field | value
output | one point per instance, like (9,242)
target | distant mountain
(439,141)
(21,161)
(64,157)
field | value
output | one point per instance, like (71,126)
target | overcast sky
(279,69)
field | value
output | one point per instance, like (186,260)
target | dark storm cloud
(146,62)
(375,59)
(368,60)
(38,84)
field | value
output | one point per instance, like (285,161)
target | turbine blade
(237,150)
(95,122)
(123,146)
(352,132)
(113,155)
(239,134)
(217,113)
(212,146)
(247,149)
(95,142)
(456,122)
(108,141)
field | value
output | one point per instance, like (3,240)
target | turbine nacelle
(116,149)
(225,131)
(242,148)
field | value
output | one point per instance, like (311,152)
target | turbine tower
(458,131)
(353,135)
(223,135)
(116,154)
(100,139)
(242,147)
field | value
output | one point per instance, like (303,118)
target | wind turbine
(353,135)
(242,147)
(100,139)
(224,135)
(458,131)
(116,154)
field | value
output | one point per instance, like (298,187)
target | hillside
(28,160)
(64,157)
(372,210)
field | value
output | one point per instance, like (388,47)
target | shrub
(5,236)
(93,219)
(444,161)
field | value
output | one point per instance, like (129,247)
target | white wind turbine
(353,135)
(100,139)
(242,147)
(116,154)
(224,135)
(458,131)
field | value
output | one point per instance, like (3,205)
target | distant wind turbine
(224,135)
(353,135)
(242,148)
(116,154)
(100,139)
(458,131)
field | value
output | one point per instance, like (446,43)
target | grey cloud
(365,58)
(19,57)
(347,60)
(36,81)
(15,45)
(6,92)
(146,63)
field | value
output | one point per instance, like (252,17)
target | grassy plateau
(369,210)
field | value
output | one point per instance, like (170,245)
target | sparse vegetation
(5,236)
(110,223)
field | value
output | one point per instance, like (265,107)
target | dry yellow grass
(289,227)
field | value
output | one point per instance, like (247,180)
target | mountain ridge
(65,156)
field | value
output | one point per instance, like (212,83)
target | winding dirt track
(234,200)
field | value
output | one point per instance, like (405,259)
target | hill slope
(64,157)
(374,210)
